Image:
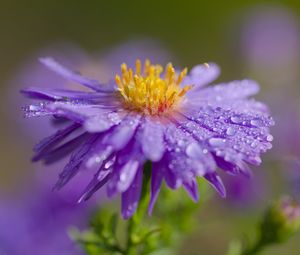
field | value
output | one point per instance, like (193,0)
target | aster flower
(36,221)
(99,65)
(167,117)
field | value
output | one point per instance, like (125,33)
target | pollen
(150,89)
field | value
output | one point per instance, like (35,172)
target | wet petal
(186,159)
(122,177)
(157,175)
(151,139)
(120,136)
(227,91)
(131,197)
(73,166)
(230,135)
(105,166)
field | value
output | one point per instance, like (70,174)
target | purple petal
(101,122)
(73,76)
(100,178)
(151,139)
(61,94)
(233,168)
(172,180)
(230,135)
(185,156)
(216,182)
(36,110)
(120,136)
(54,154)
(50,141)
(227,91)
(202,75)
(157,175)
(72,168)
(192,189)
(122,177)
(131,197)
(94,118)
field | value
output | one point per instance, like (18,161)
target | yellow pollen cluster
(148,90)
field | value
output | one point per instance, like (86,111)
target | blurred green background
(194,31)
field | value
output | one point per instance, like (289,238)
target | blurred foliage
(174,217)
(279,223)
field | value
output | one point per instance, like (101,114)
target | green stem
(131,247)
(255,249)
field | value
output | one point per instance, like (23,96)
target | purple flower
(167,117)
(99,65)
(36,221)
(270,37)
(246,193)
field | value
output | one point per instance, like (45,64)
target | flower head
(170,118)
(281,221)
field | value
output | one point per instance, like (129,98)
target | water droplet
(217,142)
(256,123)
(236,119)
(230,131)
(193,150)
(180,143)
(253,144)
(123,177)
(270,138)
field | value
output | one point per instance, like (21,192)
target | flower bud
(281,221)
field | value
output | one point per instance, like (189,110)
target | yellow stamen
(148,91)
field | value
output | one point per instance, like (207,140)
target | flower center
(149,90)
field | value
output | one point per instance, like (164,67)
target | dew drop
(253,144)
(193,150)
(256,123)
(217,142)
(236,119)
(270,138)
(230,131)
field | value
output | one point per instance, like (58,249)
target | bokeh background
(248,39)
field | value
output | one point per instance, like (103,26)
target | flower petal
(72,168)
(101,122)
(122,177)
(185,156)
(73,76)
(120,136)
(192,189)
(227,91)
(50,141)
(61,94)
(230,135)
(216,182)
(151,139)
(202,75)
(105,163)
(157,175)
(131,197)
